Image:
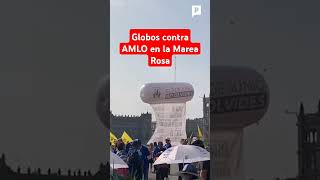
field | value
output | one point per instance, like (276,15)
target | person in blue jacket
(168,144)
(157,149)
(145,153)
(135,161)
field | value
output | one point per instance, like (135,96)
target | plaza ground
(173,173)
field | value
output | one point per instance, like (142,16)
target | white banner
(170,122)
(227,154)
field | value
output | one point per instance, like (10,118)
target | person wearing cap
(189,172)
(194,139)
(197,142)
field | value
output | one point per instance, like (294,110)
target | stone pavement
(173,171)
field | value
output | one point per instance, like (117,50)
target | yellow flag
(126,138)
(199,133)
(113,138)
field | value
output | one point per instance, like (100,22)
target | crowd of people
(140,159)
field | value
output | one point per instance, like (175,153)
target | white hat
(194,139)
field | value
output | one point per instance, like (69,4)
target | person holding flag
(197,141)
(126,138)
(121,152)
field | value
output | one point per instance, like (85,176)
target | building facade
(206,119)
(142,127)
(308,144)
(138,127)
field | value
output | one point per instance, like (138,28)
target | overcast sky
(129,73)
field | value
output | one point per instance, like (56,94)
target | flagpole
(113,167)
(175,68)
(183,161)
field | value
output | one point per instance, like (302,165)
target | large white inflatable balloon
(171,92)
(239,96)
(168,101)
